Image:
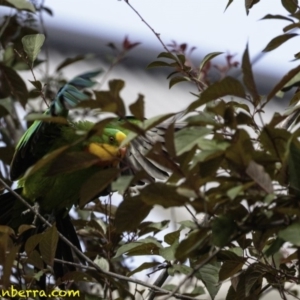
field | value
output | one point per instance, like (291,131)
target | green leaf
(249,4)
(34,258)
(225,87)
(222,230)
(283,81)
(177,79)
(290,5)
(278,17)
(37,84)
(248,78)
(167,55)
(291,27)
(124,220)
(148,246)
(293,164)
(10,258)
(191,244)
(102,263)
(71,162)
(259,175)
(71,60)
(279,40)
(209,56)
(32,45)
(229,2)
(122,183)
(291,234)
(158,63)
(45,160)
(168,253)
(22,5)
(230,268)
(46,118)
(48,245)
(209,274)
(187,138)
(162,194)
(137,108)
(142,267)
(13,85)
(172,237)
(96,184)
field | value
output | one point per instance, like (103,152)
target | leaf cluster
(237,178)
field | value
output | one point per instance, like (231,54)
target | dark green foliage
(238,179)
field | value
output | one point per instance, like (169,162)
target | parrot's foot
(36,208)
(50,217)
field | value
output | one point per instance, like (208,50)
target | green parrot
(46,146)
(101,150)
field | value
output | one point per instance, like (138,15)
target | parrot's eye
(111,139)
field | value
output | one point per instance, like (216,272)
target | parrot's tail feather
(7,202)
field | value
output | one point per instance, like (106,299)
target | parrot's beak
(123,151)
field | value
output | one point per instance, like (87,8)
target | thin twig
(147,24)
(84,257)
(159,282)
(195,270)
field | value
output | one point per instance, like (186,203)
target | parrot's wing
(136,156)
(39,137)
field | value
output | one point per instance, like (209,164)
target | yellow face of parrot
(107,147)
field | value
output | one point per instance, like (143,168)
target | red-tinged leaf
(248,78)
(127,45)
(283,81)
(290,5)
(278,41)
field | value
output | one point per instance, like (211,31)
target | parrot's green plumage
(57,192)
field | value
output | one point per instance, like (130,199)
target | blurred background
(81,27)
(78,27)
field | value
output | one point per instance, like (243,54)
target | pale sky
(200,23)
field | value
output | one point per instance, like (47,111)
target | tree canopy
(236,175)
